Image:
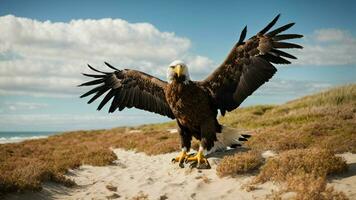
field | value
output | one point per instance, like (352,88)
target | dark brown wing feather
(248,66)
(128,88)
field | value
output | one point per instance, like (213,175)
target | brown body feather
(195,104)
(196,115)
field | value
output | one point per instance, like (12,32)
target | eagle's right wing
(129,88)
(249,65)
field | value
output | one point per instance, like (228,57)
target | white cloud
(201,65)
(292,88)
(328,35)
(46,58)
(328,47)
(22,106)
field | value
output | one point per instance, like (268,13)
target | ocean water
(14,136)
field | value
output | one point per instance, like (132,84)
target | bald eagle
(195,104)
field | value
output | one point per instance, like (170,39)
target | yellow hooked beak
(178,70)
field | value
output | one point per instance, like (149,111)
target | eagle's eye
(172,67)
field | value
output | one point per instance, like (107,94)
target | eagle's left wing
(129,88)
(248,66)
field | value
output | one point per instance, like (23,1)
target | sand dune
(154,177)
(347,181)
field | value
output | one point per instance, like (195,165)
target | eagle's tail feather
(229,137)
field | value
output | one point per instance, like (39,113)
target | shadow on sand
(349,173)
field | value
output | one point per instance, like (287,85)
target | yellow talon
(181,158)
(198,160)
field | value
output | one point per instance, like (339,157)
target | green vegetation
(317,126)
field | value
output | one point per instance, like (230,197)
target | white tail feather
(229,137)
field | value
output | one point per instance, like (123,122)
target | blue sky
(46,44)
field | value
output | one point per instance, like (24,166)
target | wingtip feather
(280,29)
(243,35)
(270,25)
(92,68)
(110,66)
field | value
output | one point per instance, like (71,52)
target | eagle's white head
(178,71)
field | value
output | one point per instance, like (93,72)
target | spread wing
(249,65)
(128,88)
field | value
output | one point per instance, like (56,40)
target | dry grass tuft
(307,186)
(304,172)
(318,162)
(240,163)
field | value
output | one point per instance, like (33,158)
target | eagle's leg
(185,144)
(207,139)
(181,157)
(198,160)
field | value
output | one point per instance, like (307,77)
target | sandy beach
(136,175)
